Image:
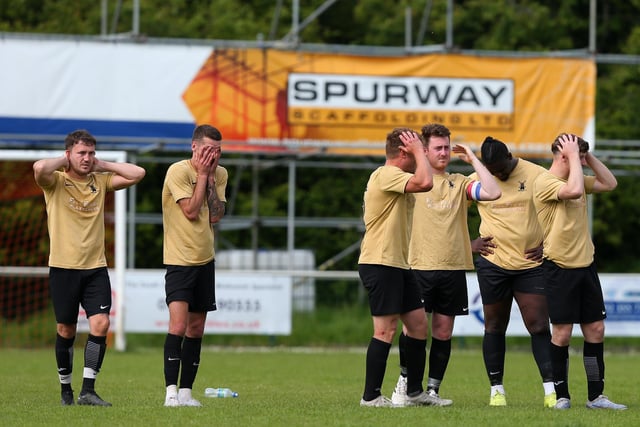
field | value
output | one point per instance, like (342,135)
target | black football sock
(438,361)
(94,352)
(593,359)
(64,360)
(402,353)
(172,351)
(416,359)
(190,361)
(377,355)
(493,352)
(560,362)
(541,348)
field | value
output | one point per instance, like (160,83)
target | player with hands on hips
(510,248)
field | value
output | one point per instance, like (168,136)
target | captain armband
(473,190)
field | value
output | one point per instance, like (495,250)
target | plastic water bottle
(219,392)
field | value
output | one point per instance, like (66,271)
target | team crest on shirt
(92,185)
(522,186)
(451,184)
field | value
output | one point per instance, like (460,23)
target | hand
(203,159)
(412,143)
(534,254)
(568,144)
(97,165)
(464,153)
(483,245)
(217,153)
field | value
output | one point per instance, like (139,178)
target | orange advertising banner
(346,104)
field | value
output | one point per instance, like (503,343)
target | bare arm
(489,189)
(574,188)
(216,206)
(202,160)
(43,169)
(605,180)
(422,179)
(126,174)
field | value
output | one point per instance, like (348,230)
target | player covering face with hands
(193,200)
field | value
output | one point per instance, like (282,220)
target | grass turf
(292,387)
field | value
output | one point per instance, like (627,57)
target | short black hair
(435,129)
(79,135)
(206,131)
(393,144)
(493,150)
(583,146)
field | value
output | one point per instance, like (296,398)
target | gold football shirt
(75,217)
(440,234)
(187,243)
(567,241)
(387,214)
(512,219)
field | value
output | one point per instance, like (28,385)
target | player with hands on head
(384,268)
(440,253)
(193,200)
(509,267)
(75,185)
(573,290)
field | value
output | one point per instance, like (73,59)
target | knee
(99,325)
(418,328)
(538,328)
(66,331)
(195,330)
(495,326)
(593,332)
(177,328)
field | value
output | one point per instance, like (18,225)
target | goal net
(26,312)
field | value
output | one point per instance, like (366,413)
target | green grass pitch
(289,387)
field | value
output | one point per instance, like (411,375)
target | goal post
(120,227)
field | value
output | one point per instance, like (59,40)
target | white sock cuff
(89,373)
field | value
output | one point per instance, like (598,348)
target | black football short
(192,284)
(391,290)
(497,284)
(444,291)
(71,288)
(574,295)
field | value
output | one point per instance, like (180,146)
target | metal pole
(592,26)
(120,263)
(255,226)
(407,27)
(131,219)
(291,218)
(136,18)
(424,23)
(295,19)
(104,12)
(297,27)
(449,41)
